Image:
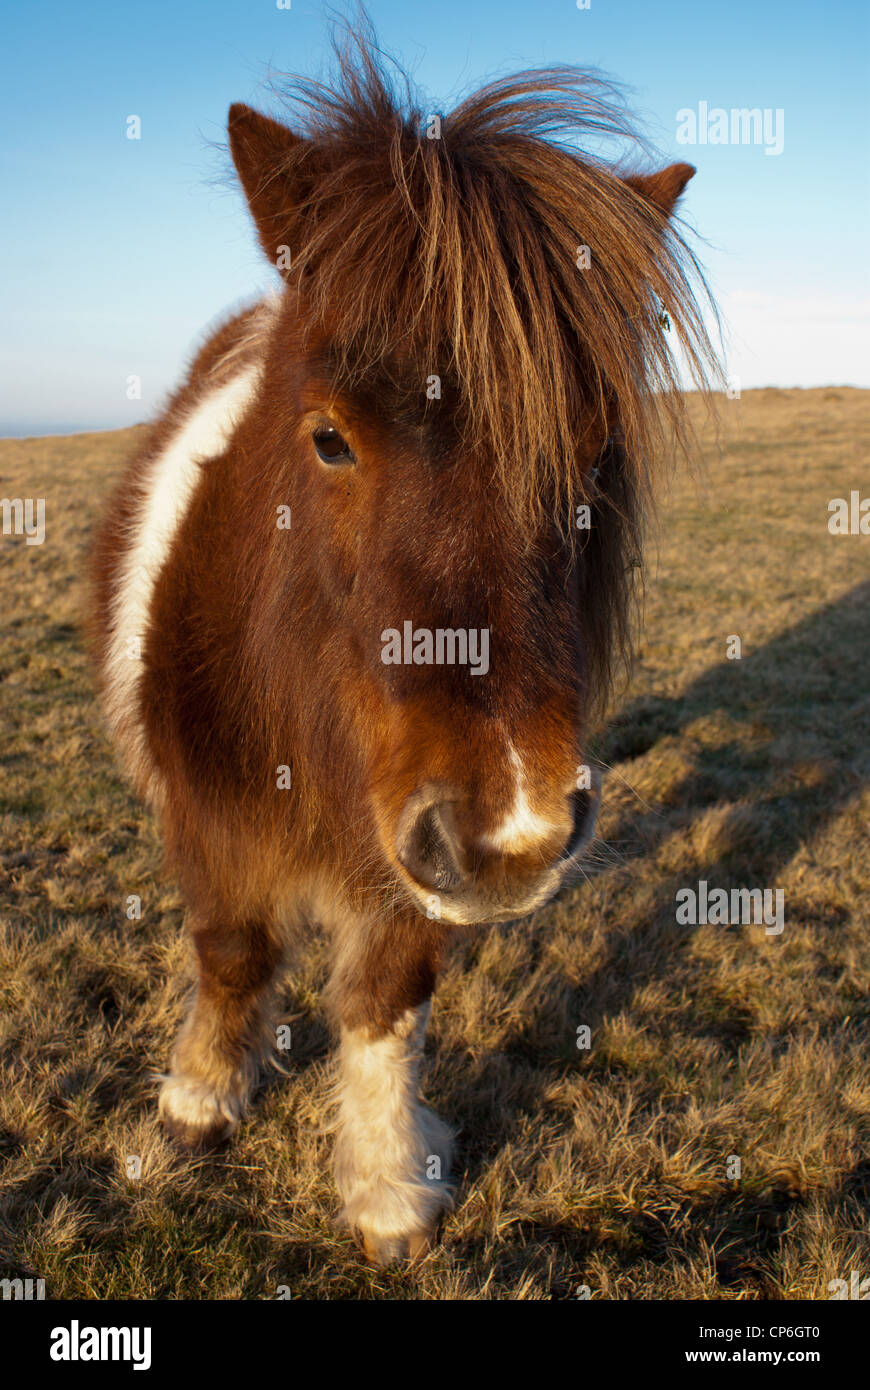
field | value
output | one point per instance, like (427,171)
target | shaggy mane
(460,255)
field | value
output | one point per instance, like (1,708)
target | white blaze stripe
(523,828)
(174,476)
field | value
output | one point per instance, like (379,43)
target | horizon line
(66,429)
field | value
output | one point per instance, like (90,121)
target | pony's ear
(664,188)
(267,157)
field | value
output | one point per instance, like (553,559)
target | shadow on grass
(806,695)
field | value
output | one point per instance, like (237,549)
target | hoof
(396,1214)
(395,1223)
(386,1250)
(196,1115)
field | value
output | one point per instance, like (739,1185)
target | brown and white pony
(351,616)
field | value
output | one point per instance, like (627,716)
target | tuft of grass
(606,1167)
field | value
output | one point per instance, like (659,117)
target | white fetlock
(392,1155)
(196,1113)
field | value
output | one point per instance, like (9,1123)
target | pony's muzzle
(435,856)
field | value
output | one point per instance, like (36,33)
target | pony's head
(468,373)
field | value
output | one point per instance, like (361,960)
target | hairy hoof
(387,1250)
(395,1208)
(395,1224)
(195,1114)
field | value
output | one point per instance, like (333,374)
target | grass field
(605,1168)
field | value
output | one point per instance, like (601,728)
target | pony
(362,593)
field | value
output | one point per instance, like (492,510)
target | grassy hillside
(605,1168)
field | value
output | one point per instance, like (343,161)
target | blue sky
(117,254)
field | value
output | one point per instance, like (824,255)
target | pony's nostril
(584,811)
(425,846)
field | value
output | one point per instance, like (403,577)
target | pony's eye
(330,446)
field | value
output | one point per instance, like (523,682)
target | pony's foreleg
(216,1058)
(392,1154)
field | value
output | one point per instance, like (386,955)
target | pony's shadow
(805,695)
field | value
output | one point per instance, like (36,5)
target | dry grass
(605,1168)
